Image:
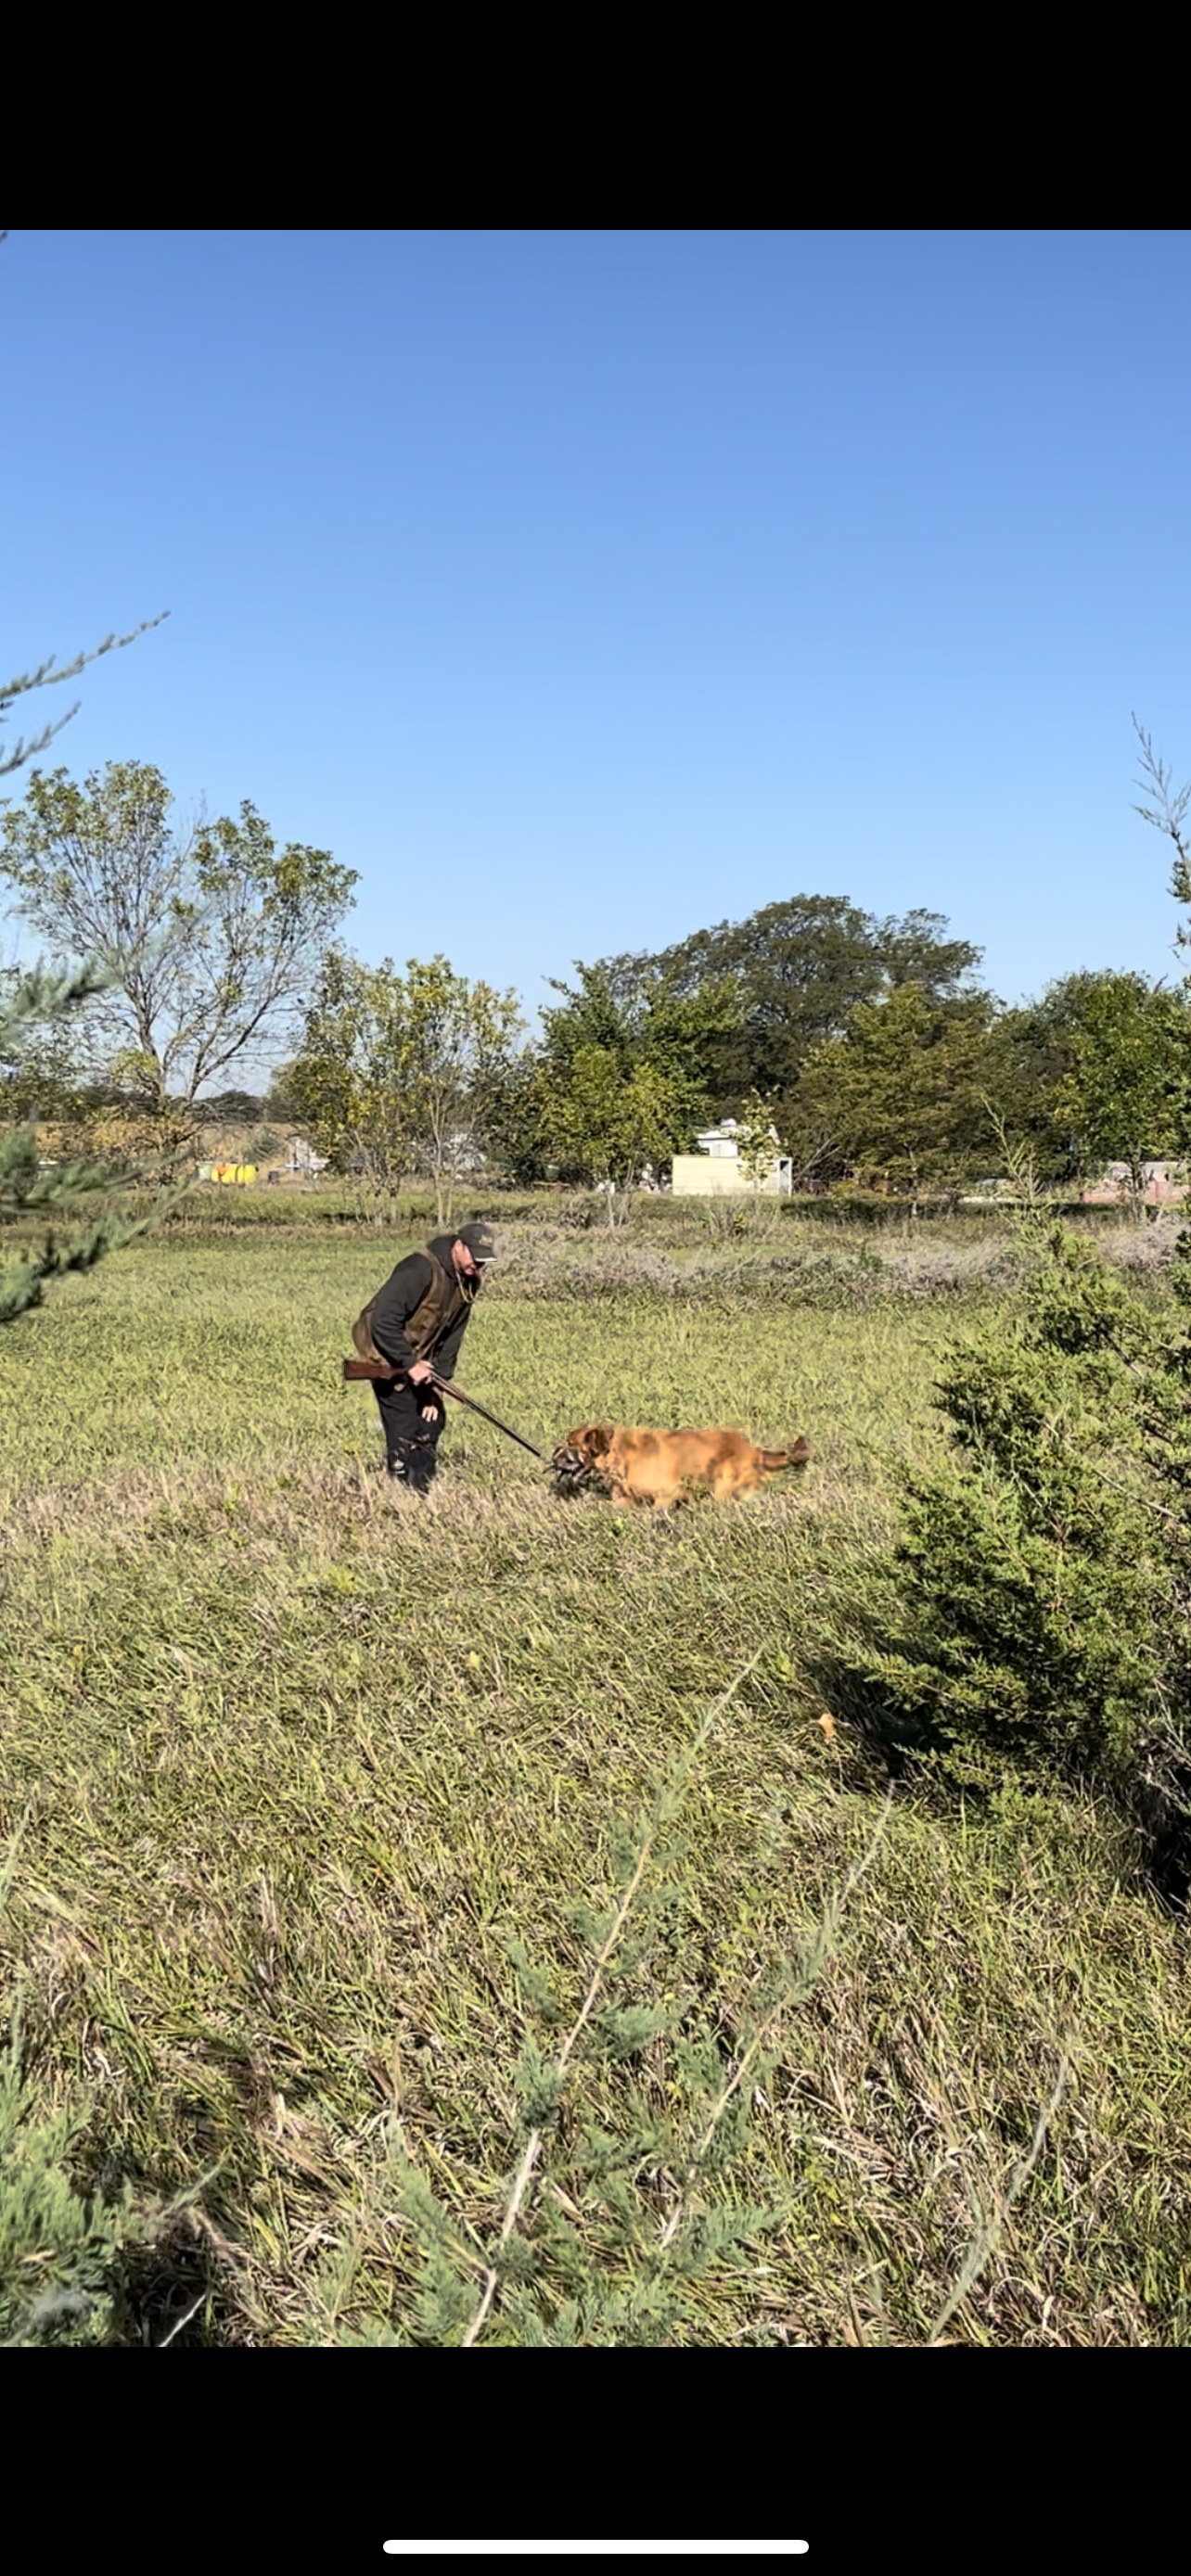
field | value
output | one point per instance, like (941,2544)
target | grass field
(300,1758)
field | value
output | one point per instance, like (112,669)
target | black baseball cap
(480,1241)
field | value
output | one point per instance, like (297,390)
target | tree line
(200,950)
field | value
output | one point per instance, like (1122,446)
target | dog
(653,1466)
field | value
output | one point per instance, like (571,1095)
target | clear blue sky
(580,589)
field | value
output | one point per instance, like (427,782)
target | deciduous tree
(207,937)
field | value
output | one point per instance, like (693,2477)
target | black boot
(412,1464)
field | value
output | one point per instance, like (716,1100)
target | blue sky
(580,589)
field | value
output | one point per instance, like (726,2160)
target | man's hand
(430,1413)
(419,1372)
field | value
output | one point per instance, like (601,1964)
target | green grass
(226,1353)
(303,1757)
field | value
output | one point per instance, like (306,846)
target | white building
(716,1170)
(302,1158)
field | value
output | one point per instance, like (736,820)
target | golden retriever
(653,1466)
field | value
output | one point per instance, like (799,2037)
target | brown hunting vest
(429,1323)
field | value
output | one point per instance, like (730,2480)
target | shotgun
(383,1370)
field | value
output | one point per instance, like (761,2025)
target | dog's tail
(774,1461)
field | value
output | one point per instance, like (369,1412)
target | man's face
(466,1263)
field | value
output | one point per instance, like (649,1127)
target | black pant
(411,1444)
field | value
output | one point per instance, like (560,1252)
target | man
(417,1322)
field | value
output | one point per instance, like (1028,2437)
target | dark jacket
(422,1311)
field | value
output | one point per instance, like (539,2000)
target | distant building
(716,1170)
(462,1154)
(301,1158)
(1165,1184)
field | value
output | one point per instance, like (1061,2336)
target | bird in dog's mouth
(569,1467)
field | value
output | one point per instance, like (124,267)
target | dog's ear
(599,1439)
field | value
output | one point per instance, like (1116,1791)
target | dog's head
(581,1451)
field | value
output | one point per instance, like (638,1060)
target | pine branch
(46,677)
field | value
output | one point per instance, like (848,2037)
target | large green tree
(620,1077)
(207,936)
(604,1119)
(650,1025)
(1097,1070)
(1125,1091)
(783,981)
(901,1098)
(402,1073)
(1029,1062)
